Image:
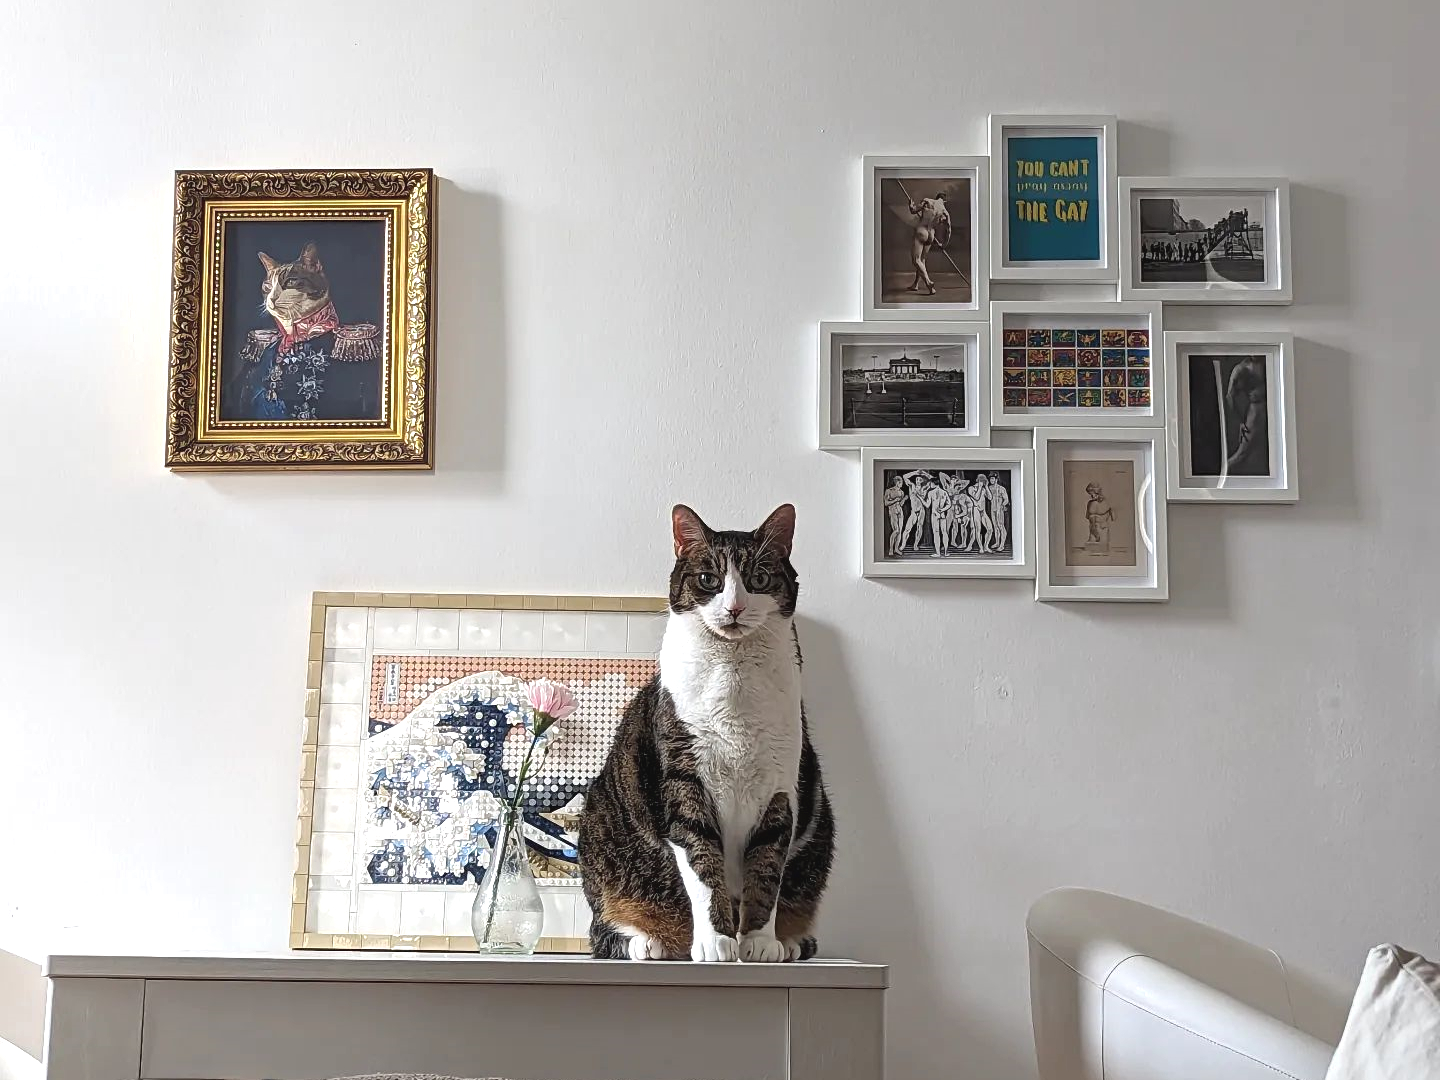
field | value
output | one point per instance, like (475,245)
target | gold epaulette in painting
(356,342)
(256,342)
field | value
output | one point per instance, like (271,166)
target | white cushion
(1394,1028)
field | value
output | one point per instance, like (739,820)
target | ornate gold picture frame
(301,319)
(400,764)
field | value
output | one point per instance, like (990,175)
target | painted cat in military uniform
(310,366)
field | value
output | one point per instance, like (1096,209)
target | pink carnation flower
(552,702)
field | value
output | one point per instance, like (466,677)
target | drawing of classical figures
(947,513)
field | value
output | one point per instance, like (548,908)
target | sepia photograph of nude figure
(924,249)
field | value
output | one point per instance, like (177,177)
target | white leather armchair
(1123,991)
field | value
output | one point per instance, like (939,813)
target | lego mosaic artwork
(1079,366)
(445,738)
(418,728)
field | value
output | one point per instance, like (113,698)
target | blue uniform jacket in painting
(334,375)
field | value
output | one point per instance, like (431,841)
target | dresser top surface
(420,967)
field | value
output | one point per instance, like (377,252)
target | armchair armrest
(1194,1014)
(1120,990)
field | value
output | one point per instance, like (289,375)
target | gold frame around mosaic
(310,749)
(405,198)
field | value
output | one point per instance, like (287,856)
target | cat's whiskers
(765,627)
(766,540)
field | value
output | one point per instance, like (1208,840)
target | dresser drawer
(252,1030)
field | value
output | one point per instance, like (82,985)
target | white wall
(647,207)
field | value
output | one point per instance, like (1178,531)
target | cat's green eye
(709,582)
(760,580)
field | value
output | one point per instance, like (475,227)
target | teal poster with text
(1053,196)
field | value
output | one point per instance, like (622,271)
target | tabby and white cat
(708,832)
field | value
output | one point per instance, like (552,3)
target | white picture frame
(1135,452)
(876,562)
(1281,483)
(839,338)
(1266,199)
(883,295)
(1004,266)
(1144,404)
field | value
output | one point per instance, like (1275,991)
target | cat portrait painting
(301,318)
(304,311)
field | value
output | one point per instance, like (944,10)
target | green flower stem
(524,773)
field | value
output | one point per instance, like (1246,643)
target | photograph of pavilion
(1194,238)
(898,386)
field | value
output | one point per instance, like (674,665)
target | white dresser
(302,1016)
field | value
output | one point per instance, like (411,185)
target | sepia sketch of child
(895,508)
(1100,514)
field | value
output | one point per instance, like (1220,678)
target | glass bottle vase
(507,915)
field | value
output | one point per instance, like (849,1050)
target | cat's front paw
(712,947)
(800,948)
(645,947)
(761,947)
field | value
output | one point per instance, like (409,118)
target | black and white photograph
(1195,238)
(926,244)
(1230,405)
(1206,239)
(902,386)
(925,240)
(922,383)
(942,513)
(1228,414)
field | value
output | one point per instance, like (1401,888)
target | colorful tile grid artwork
(1075,367)
(446,737)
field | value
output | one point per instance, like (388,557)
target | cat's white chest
(742,705)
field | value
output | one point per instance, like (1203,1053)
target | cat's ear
(310,257)
(689,530)
(778,532)
(267,262)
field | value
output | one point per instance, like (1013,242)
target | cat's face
(296,289)
(735,583)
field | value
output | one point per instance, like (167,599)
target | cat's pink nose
(735,610)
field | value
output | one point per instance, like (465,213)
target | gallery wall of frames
(1025,439)
(1124,417)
